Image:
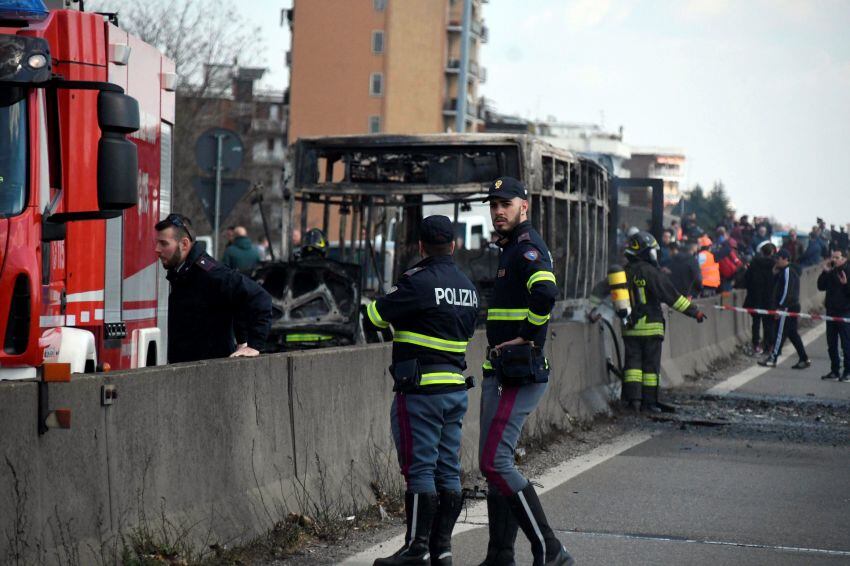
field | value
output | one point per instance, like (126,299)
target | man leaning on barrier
(516,375)
(432,309)
(211,308)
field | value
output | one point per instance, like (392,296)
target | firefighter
(314,245)
(209,304)
(516,376)
(643,334)
(432,309)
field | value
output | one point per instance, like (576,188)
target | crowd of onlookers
(767,263)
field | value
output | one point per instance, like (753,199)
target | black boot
(420,509)
(503,528)
(451,503)
(546,549)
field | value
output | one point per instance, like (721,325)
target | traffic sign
(232,190)
(232,150)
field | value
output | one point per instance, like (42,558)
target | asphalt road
(760,475)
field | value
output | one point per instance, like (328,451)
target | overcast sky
(757,92)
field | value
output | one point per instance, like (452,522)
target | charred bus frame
(383,183)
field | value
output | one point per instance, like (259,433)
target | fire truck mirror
(117,157)
(117,113)
(53,231)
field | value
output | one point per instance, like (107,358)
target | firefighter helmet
(315,243)
(642,245)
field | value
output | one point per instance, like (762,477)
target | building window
(374,124)
(376,84)
(379,5)
(377,42)
(270,144)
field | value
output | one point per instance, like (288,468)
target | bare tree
(205,39)
(198,35)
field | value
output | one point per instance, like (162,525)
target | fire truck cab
(86,118)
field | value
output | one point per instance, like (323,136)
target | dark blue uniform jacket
(524,291)
(432,309)
(211,308)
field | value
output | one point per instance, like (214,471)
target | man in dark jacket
(211,308)
(684,269)
(241,254)
(834,280)
(758,281)
(786,294)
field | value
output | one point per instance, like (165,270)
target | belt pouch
(406,375)
(515,365)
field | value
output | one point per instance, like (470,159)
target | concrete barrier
(223,449)
(690,347)
(228,446)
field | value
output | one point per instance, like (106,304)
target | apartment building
(381,66)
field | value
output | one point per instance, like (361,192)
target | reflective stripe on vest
(374,317)
(442,378)
(682,304)
(507,314)
(539,276)
(537,319)
(431,342)
(644,328)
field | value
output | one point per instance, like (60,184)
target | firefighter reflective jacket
(524,291)
(648,288)
(432,309)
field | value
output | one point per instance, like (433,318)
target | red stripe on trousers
(494,436)
(406,438)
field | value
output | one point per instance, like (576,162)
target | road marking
(475,516)
(749,374)
(661,538)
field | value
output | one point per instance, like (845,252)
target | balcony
(450,108)
(478,29)
(480,73)
(265,157)
(268,126)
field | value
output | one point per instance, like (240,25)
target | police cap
(436,229)
(506,188)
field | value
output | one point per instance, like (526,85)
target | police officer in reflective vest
(643,334)
(516,376)
(432,309)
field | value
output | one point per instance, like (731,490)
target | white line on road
(749,374)
(476,514)
(661,538)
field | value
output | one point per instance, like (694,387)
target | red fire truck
(86,118)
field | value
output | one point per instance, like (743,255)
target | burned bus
(368,194)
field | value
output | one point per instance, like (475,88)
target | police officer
(314,247)
(211,308)
(432,309)
(515,377)
(643,334)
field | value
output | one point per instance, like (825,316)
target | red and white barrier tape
(782,313)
